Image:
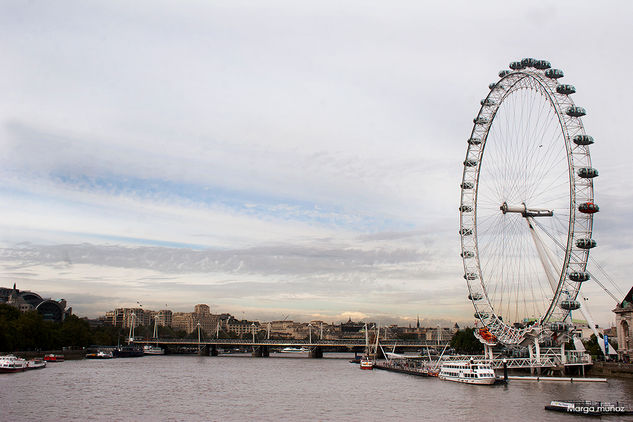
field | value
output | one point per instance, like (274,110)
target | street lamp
(310,333)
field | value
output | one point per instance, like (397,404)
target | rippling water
(282,387)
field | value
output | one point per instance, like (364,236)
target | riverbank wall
(611,369)
(69,354)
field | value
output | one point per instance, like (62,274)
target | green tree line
(465,342)
(24,331)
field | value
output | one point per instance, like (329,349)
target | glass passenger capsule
(465,232)
(481,315)
(488,102)
(579,276)
(470,276)
(542,64)
(465,208)
(559,326)
(570,305)
(474,141)
(516,66)
(481,120)
(588,208)
(575,111)
(494,85)
(471,162)
(565,89)
(528,62)
(467,185)
(586,243)
(554,73)
(504,72)
(587,172)
(467,254)
(474,296)
(583,140)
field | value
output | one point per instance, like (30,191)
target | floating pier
(566,379)
(419,372)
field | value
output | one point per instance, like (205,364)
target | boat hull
(10,363)
(589,408)
(35,364)
(366,364)
(482,381)
(153,350)
(128,352)
(11,370)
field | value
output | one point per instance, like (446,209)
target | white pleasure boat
(10,363)
(468,372)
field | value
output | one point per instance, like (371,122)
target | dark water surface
(279,388)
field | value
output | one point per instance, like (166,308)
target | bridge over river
(262,348)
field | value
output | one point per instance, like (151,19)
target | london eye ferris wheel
(527,204)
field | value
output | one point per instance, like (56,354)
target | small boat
(366,363)
(592,408)
(293,350)
(10,363)
(53,358)
(148,349)
(36,363)
(468,372)
(101,354)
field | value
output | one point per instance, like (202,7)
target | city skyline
(277,159)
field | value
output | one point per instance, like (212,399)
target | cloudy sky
(278,158)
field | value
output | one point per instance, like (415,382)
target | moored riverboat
(101,354)
(293,350)
(36,363)
(148,349)
(128,352)
(366,363)
(468,372)
(10,363)
(53,358)
(591,408)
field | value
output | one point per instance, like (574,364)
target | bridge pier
(204,350)
(214,350)
(260,352)
(316,352)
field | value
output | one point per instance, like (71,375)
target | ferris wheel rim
(561,103)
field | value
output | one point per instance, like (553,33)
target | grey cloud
(280,260)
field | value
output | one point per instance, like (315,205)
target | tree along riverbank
(28,331)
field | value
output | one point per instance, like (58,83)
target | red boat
(366,363)
(54,358)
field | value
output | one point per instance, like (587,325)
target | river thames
(278,388)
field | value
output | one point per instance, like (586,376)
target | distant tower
(418,321)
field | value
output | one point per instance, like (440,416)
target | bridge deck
(289,343)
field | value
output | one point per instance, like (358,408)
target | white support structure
(585,312)
(548,358)
(546,260)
